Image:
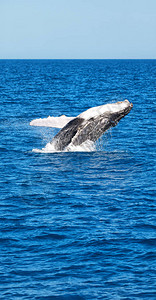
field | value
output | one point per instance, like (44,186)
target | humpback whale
(90,124)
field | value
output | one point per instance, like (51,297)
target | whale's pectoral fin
(65,135)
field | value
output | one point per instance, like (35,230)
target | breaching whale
(90,124)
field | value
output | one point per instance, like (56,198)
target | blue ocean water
(77,225)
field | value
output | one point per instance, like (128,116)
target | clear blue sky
(77,29)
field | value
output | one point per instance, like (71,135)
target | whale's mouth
(128,109)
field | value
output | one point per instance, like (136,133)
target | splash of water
(87,146)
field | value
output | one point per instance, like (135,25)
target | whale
(90,125)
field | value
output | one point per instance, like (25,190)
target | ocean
(77,225)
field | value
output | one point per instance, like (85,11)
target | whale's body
(90,124)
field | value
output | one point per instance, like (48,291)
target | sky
(78,29)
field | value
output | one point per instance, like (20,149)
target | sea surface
(77,225)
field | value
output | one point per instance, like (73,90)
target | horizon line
(77,58)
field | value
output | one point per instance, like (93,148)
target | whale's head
(119,110)
(123,107)
(113,111)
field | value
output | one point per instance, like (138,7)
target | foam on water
(87,146)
